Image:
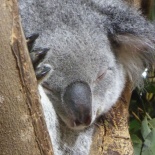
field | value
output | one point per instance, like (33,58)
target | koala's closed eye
(102,73)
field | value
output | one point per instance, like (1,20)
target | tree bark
(144,5)
(136,3)
(22,127)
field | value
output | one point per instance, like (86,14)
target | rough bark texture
(136,3)
(147,6)
(22,127)
(144,5)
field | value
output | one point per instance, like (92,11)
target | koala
(94,46)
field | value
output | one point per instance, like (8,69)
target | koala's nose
(86,120)
(78,101)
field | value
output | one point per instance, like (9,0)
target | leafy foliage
(142,112)
(142,117)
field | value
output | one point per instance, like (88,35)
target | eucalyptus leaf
(134,126)
(137,144)
(149,144)
(150,88)
(137,148)
(152,123)
(136,139)
(145,130)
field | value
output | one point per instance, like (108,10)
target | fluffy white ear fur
(136,54)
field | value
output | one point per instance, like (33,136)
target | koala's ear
(135,42)
(135,53)
(129,43)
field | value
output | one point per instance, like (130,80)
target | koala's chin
(74,124)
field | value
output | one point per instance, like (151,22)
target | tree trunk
(136,3)
(145,5)
(22,127)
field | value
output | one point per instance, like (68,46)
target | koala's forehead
(73,51)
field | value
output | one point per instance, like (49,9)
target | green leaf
(150,88)
(145,130)
(137,144)
(134,126)
(152,123)
(149,144)
(135,139)
(137,149)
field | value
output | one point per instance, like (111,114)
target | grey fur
(87,38)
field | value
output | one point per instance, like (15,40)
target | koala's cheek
(98,112)
(98,107)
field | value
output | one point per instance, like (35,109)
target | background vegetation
(142,112)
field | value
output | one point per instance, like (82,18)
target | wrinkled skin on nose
(78,100)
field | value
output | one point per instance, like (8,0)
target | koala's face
(86,79)
(88,76)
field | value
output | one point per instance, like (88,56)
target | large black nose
(78,100)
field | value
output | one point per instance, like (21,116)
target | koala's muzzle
(78,101)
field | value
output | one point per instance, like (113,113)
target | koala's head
(90,64)
(86,79)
